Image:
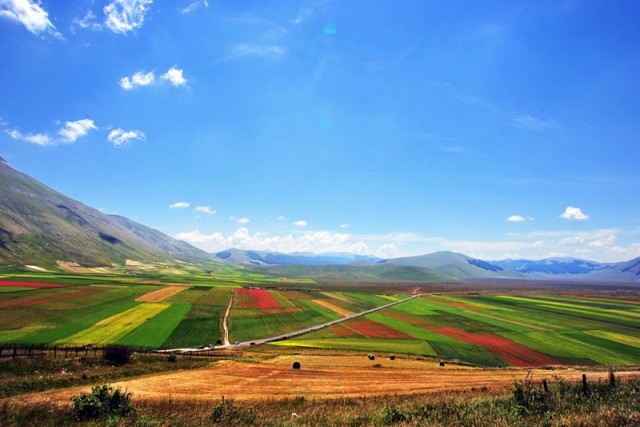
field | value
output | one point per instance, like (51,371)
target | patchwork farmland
(483,330)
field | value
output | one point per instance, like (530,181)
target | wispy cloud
(193,7)
(520,218)
(205,209)
(88,21)
(301,223)
(243,220)
(29,13)
(180,205)
(123,16)
(120,137)
(526,121)
(574,214)
(38,138)
(137,79)
(264,51)
(69,133)
(519,120)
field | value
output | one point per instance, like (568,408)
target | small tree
(102,402)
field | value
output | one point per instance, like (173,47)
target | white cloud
(89,21)
(120,137)
(574,214)
(174,76)
(265,51)
(280,218)
(180,205)
(519,218)
(38,138)
(205,209)
(68,134)
(388,250)
(301,223)
(122,16)
(74,130)
(30,14)
(242,220)
(138,79)
(344,225)
(318,241)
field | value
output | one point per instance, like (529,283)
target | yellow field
(338,310)
(161,294)
(320,377)
(614,336)
(115,327)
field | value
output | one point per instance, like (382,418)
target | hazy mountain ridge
(250,257)
(39,225)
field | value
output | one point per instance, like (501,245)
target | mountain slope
(40,225)
(454,264)
(551,266)
(359,272)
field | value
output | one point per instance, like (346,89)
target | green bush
(102,402)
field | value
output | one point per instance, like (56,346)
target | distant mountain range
(39,226)
(261,258)
(435,266)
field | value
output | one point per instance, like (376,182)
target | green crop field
(565,330)
(485,330)
(113,328)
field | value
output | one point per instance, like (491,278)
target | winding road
(228,345)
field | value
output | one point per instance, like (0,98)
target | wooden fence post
(585,386)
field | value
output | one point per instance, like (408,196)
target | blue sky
(497,129)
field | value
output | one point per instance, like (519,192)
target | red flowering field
(37,301)
(30,284)
(373,329)
(254,298)
(507,350)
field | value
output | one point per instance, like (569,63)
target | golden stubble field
(321,377)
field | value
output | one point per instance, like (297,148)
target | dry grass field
(161,294)
(320,377)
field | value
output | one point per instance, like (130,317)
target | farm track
(225,322)
(288,335)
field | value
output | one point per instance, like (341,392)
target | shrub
(102,402)
(172,358)
(227,412)
(117,354)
